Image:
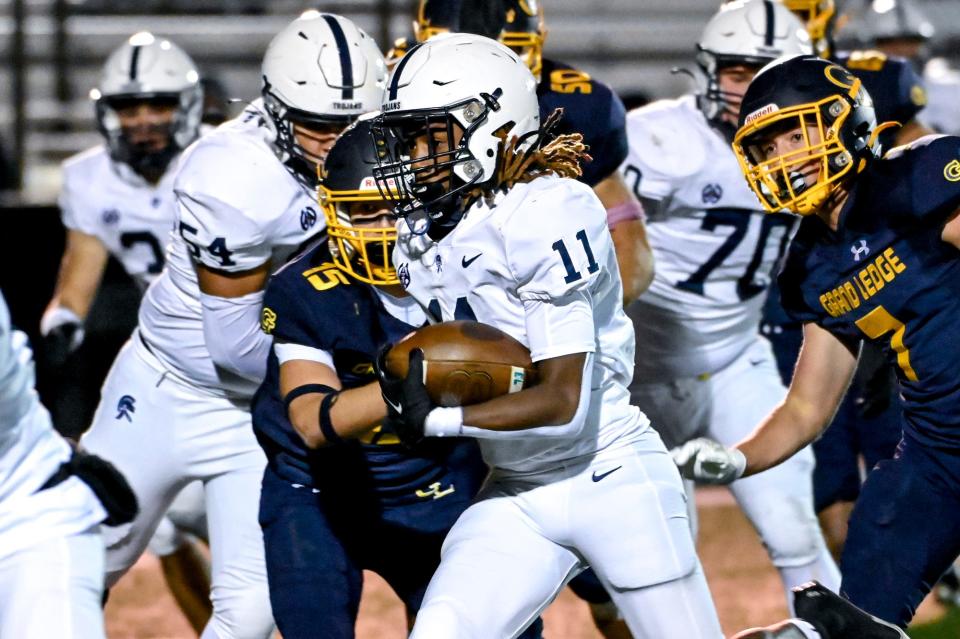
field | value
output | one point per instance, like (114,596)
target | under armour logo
(403,274)
(308,217)
(861,251)
(711,193)
(126,406)
(433,490)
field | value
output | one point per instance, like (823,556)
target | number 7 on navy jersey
(572,273)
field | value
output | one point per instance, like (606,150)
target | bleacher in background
(631,44)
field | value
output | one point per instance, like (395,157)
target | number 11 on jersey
(572,273)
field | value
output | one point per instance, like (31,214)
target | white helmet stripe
(346,66)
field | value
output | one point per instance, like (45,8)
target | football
(465,362)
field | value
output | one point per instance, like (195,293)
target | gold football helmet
(806,126)
(517,24)
(819,16)
(361,229)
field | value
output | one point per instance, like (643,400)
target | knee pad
(243,613)
(791,532)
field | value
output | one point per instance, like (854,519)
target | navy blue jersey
(886,275)
(312,303)
(897,90)
(590,108)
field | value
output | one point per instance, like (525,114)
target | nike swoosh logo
(441,83)
(464,262)
(396,407)
(598,477)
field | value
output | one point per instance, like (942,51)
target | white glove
(708,462)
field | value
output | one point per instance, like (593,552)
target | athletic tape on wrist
(444,422)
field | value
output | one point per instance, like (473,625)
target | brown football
(465,362)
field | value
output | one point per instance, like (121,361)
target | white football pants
(53,590)
(185,519)
(621,511)
(163,433)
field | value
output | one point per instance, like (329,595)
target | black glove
(408,403)
(60,342)
(389,385)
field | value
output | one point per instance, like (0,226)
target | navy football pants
(904,531)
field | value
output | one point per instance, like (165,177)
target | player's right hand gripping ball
(465,362)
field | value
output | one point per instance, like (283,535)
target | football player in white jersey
(117,199)
(51,552)
(175,406)
(701,365)
(494,230)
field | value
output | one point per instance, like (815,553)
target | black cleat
(836,618)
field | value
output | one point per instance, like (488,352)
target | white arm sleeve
(288,351)
(448,422)
(231,328)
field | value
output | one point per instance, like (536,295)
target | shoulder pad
(549,265)
(920,181)
(666,146)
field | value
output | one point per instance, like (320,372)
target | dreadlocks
(548,154)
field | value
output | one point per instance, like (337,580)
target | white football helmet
(477,94)
(321,70)
(748,32)
(145,68)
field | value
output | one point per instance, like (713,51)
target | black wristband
(304,390)
(326,424)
